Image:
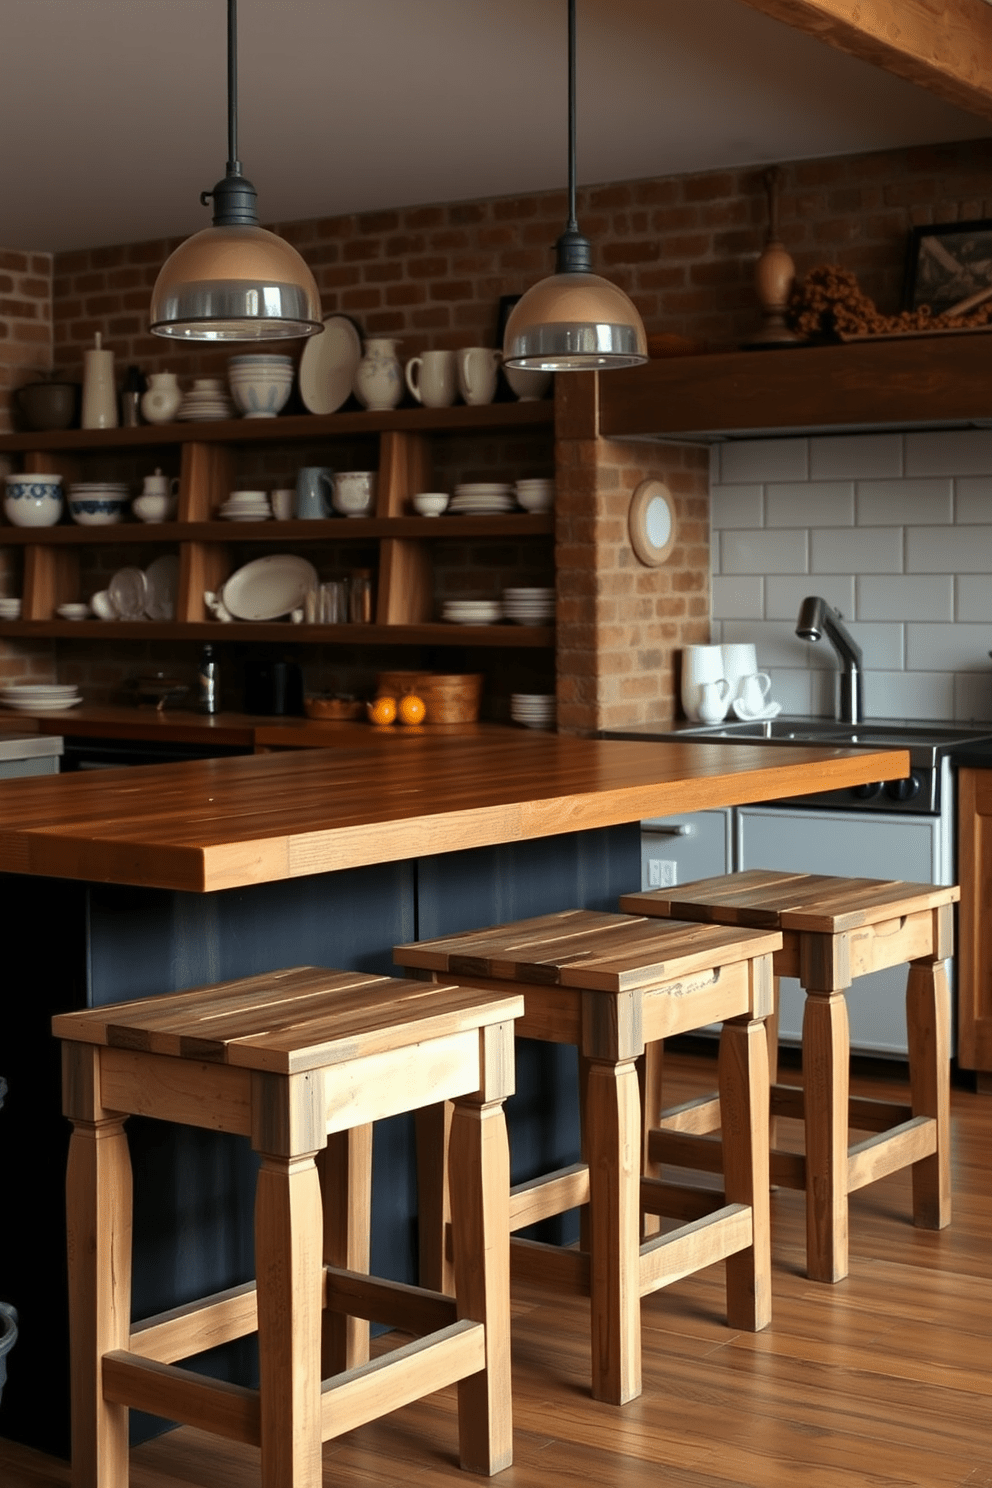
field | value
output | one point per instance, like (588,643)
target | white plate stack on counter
(534,710)
(39,697)
(472,611)
(533,606)
(482,499)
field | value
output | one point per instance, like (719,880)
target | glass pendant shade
(574,321)
(235,283)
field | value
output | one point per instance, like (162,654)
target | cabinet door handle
(681,829)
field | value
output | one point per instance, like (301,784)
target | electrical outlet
(662,873)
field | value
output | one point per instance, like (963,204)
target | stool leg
(613,1144)
(345,1171)
(826,1081)
(649,1074)
(479,1157)
(433,1128)
(928,1021)
(744,1096)
(98,1212)
(288,1270)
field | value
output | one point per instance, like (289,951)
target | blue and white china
(379,377)
(260,385)
(33,500)
(98,503)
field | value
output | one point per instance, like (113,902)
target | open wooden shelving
(205,543)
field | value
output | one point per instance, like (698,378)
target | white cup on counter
(700,665)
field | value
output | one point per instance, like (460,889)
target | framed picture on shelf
(948,262)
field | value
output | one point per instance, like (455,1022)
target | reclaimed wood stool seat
(302,1062)
(609,984)
(834,931)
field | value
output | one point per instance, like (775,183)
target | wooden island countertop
(380,796)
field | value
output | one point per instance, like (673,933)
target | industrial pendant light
(574,321)
(234,281)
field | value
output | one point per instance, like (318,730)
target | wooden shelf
(428,633)
(339,529)
(298,428)
(909,383)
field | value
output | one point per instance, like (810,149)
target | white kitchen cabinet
(862,844)
(678,849)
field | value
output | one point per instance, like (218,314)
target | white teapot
(159,498)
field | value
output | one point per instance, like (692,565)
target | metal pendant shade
(575,320)
(234,281)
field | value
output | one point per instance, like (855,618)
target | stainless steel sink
(780,730)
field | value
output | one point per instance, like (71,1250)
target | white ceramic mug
(714,700)
(478,368)
(283,503)
(700,664)
(432,378)
(354,493)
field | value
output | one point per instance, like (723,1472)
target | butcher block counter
(136,882)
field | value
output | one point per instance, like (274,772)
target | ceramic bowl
(535,500)
(353,494)
(33,500)
(261,392)
(73,611)
(96,509)
(430,503)
(527,385)
(47,405)
(155,506)
(10,609)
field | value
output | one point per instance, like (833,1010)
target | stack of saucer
(207,399)
(39,697)
(529,606)
(534,710)
(10,609)
(472,611)
(536,495)
(482,499)
(247,506)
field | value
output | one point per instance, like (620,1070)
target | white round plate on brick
(328,364)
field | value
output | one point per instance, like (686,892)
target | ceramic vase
(160,404)
(378,380)
(99,410)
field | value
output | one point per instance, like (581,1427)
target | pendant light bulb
(574,321)
(234,281)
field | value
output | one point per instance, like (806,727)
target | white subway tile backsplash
(949,550)
(905,597)
(736,506)
(784,594)
(820,504)
(776,645)
(973,697)
(949,452)
(859,550)
(855,456)
(973,498)
(779,552)
(974,598)
(948,648)
(765,460)
(883,644)
(792,689)
(893,503)
(927,695)
(737,597)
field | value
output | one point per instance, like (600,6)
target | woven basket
(448,699)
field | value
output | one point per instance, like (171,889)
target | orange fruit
(411,708)
(383,710)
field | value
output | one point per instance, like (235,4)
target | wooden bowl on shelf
(338,708)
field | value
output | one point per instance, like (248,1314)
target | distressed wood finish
(974,962)
(834,931)
(223,823)
(292,1058)
(613,985)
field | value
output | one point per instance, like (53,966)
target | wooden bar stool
(610,984)
(835,930)
(300,1061)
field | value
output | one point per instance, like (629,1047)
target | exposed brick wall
(25,322)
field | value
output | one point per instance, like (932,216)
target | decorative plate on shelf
(269,588)
(162,581)
(328,364)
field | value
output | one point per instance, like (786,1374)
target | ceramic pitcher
(160,403)
(379,377)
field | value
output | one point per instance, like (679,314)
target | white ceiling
(112,112)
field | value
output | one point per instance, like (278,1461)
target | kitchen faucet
(817,619)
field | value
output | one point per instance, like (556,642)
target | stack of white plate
(10,609)
(472,611)
(529,606)
(39,697)
(534,710)
(482,498)
(207,399)
(247,506)
(536,494)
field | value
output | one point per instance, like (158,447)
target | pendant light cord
(233,163)
(573,224)
(234,198)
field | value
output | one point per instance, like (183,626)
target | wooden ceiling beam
(944,46)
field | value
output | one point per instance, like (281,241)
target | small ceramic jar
(160,404)
(33,500)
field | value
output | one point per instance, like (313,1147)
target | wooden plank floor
(883,1379)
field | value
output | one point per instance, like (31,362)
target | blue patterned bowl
(93,510)
(33,500)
